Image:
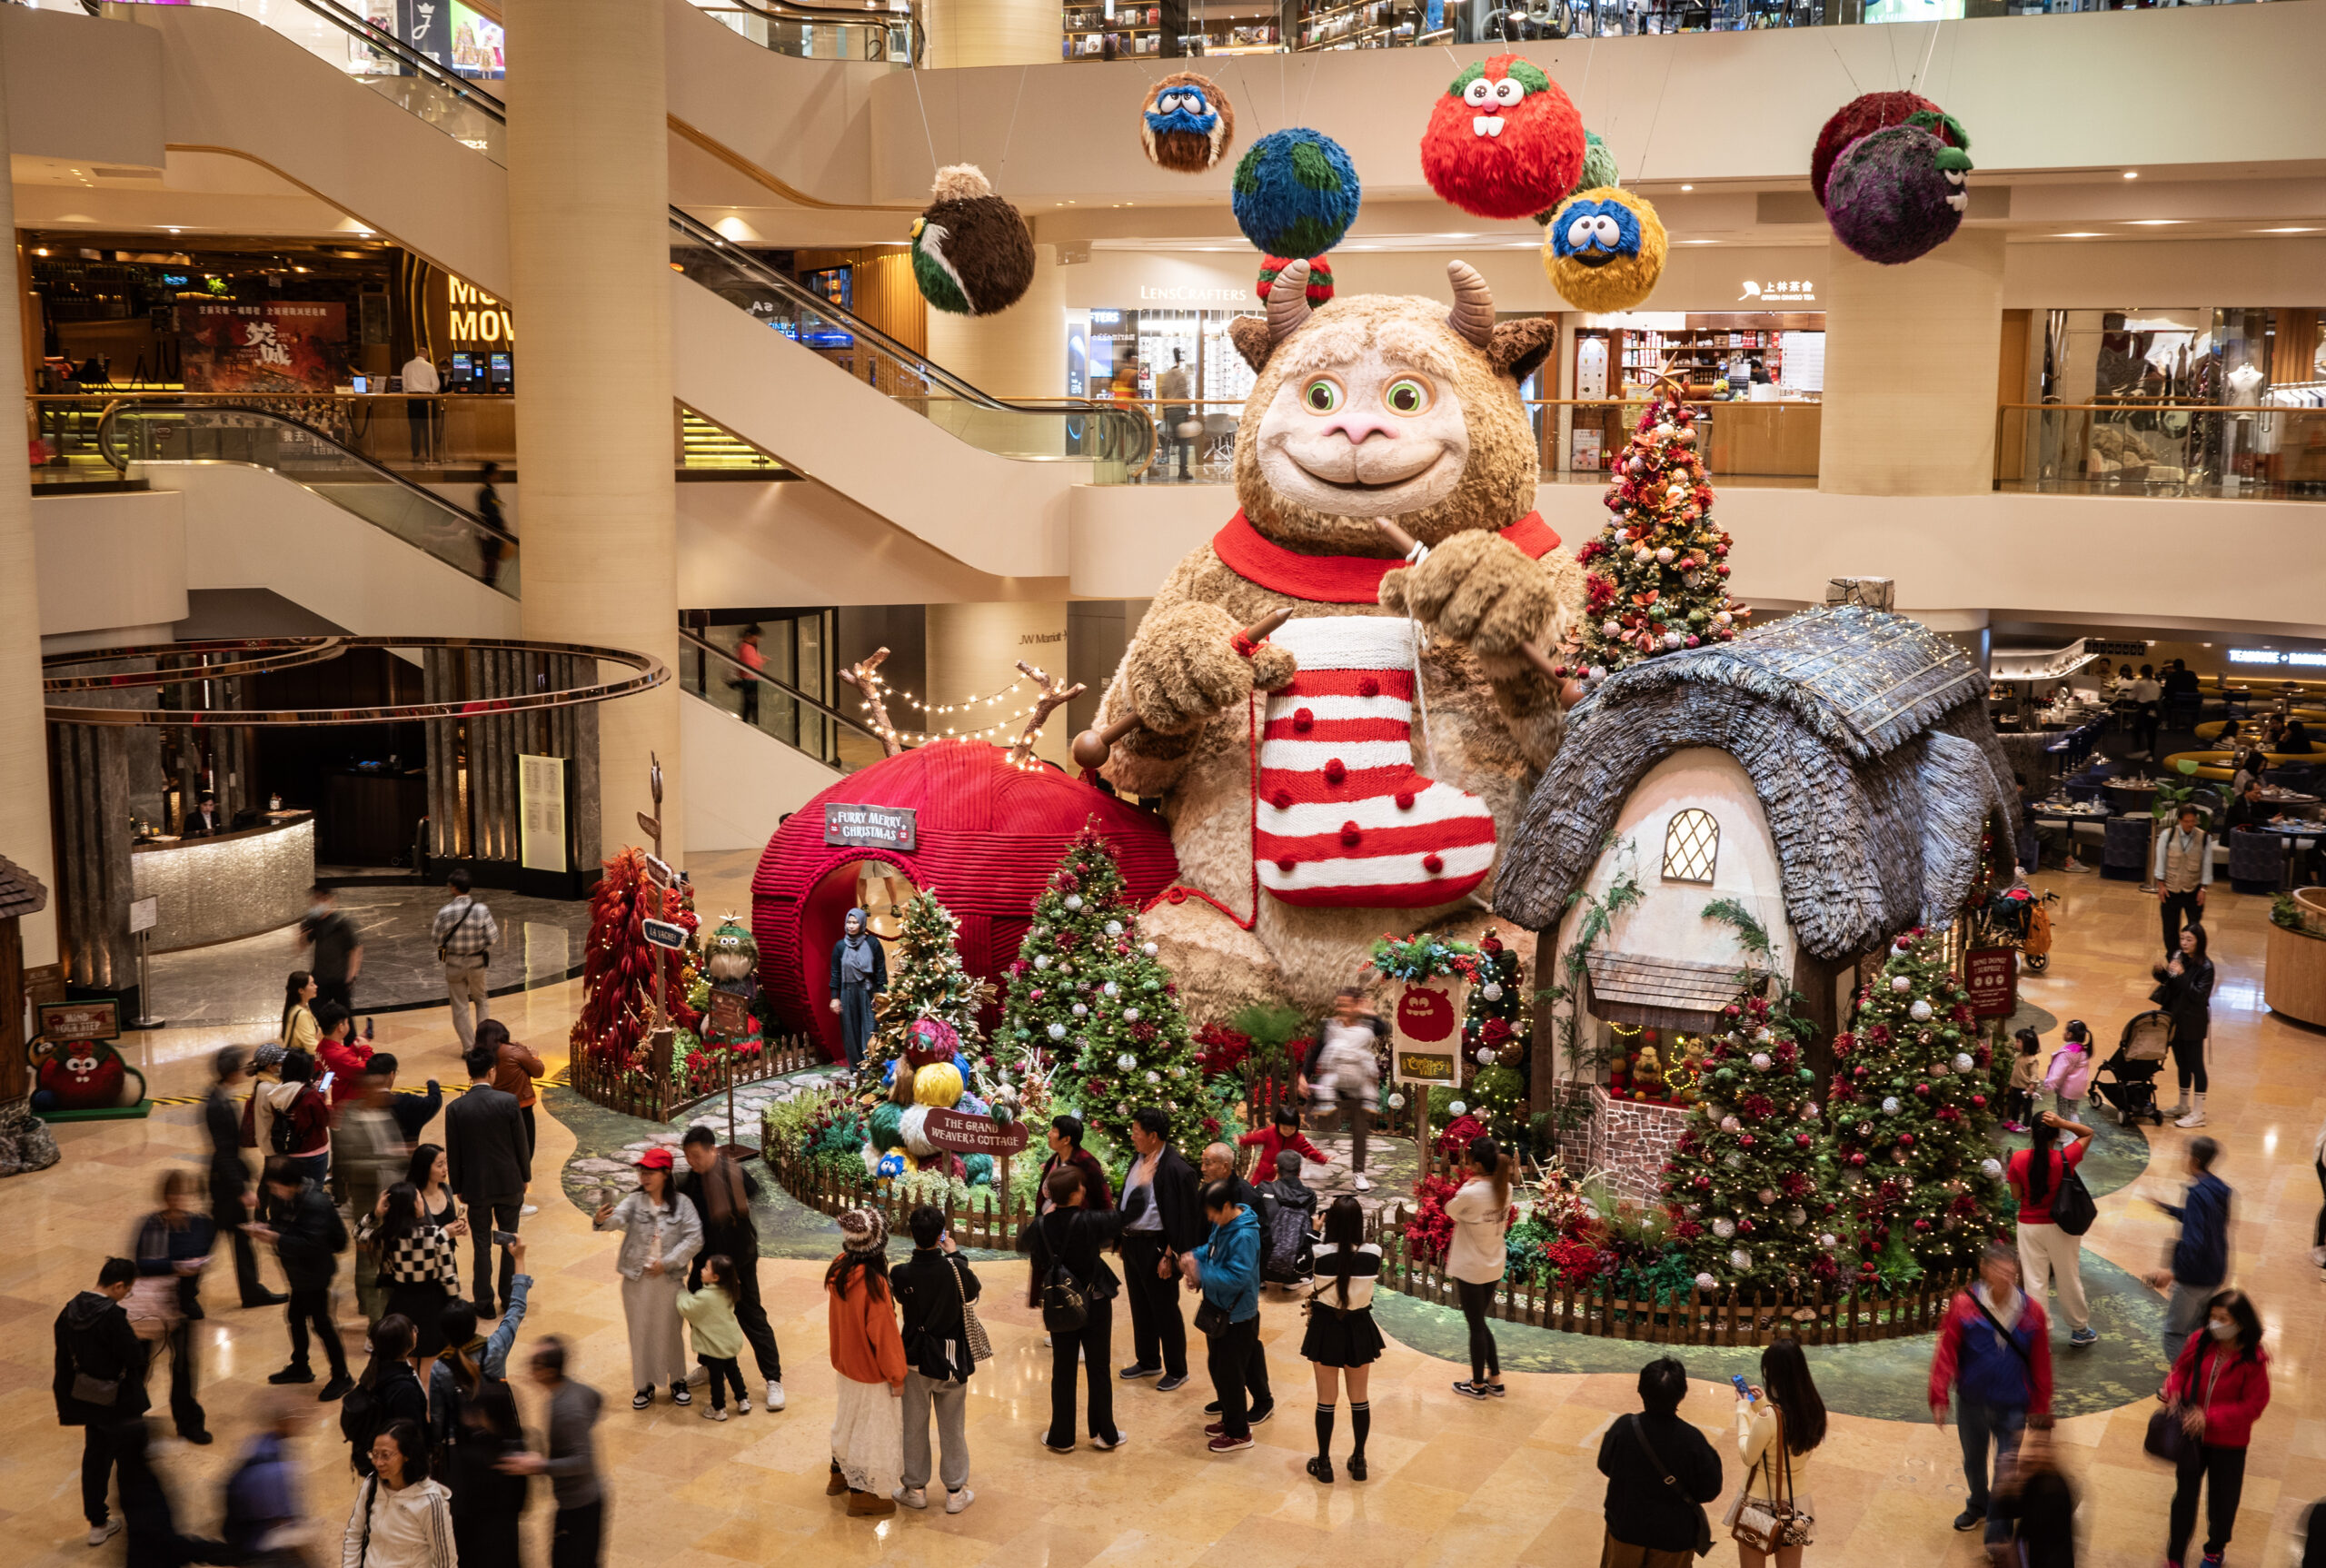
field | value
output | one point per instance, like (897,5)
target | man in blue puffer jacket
(1994,1354)
(1228,1267)
(2201,1258)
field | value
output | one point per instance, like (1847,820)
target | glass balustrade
(2275,451)
(139,435)
(887,31)
(771,704)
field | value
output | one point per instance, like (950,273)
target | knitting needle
(1415,552)
(1092,746)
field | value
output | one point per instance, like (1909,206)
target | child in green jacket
(718,1337)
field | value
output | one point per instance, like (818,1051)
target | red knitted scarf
(1339,579)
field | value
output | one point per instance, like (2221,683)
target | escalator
(165,439)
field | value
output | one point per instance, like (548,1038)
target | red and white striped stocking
(1343,817)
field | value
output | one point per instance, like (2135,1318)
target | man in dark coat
(95,1345)
(860,973)
(307,1233)
(231,1201)
(721,1191)
(1169,1223)
(488,1162)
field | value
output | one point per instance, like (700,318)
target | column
(993,32)
(1016,354)
(973,649)
(24,745)
(588,238)
(1911,361)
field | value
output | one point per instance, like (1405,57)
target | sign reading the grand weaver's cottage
(870,827)
(1425,1032)
(973,1134)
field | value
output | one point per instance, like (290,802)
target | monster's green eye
(1322,395)
(1406,395)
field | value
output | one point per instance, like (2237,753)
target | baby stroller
(2127,1080)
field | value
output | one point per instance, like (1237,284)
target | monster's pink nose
(1360,427)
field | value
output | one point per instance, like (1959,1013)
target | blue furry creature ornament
(1187,123)
(1296,193)
(1604,249)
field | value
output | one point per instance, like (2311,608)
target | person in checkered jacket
(419,1267)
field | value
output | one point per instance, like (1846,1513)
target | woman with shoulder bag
(1343,1341)
(2048,1253)
(401,1518)
(2218,1389)
(1778,1425)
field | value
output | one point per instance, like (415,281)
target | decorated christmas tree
(1750,1186)
(1656,576)
(1087,995)
(1493,1040)
(620,970)
(1912,1121)
(926,980)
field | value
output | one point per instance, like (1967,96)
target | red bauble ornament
(1857,1157)
(1979,1102)
(1906,1140)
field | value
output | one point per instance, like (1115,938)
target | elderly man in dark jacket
(308,1235)
(231,1199)
(100,1382)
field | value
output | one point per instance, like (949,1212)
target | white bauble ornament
(1663,557)
(1114,927)
(1599,671)
(1729,1124)
(1901,983)
(1041,960)
(1796,1216)
(1131,1015)
(1740,1258)
(1724,1228)
(1766,1196)
(1486,1056)
(1760,1060)
(1828,1240)
(1707,1282)
(1074,900)
(1491,991)
(1920,1011)
(1962,1062)
(1110,989)
(1890,1106)
(1149,949)
(1641,552)
(1458,1109)
(1732,1160)
(1081,1010)
(1397,1102)
(1126,1062)
(1057,1031)
(1609,628)
(1722,617)
(1154,1077)
(1674,639)
(1809,1110)
(1990,1169)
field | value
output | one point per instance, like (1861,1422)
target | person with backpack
(1343,1341)
(868,1358)
(302,1223)
(265,1521)
(473,1361)
(100,1382)
(2053,1215)
(1228,1271)
(1994,1356)
(488,1502)
(1076,1290)
(403,1518)
(2218,1389)
(1287,1225)
(295,1119)
(389,1391)
(1661,1471)
(934,1289)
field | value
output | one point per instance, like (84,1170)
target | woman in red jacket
(2219,1387)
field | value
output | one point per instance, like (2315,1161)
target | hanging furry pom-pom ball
(1899,193)
(1320,278)
(1599,171)
(1603,250)
(1187,123)
(973,255)
(1503,141)
(1861,116)
(1296,193)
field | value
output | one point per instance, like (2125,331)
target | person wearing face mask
(860,973)
(2219,1387)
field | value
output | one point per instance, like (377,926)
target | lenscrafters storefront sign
(870,827)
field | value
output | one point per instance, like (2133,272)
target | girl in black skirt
(1342,1339)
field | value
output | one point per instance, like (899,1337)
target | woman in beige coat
(1481,1214)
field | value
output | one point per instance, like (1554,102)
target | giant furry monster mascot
(1337,781)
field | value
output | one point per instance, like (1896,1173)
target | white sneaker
(2196,1119)
(775,1396)
(529,1210)
(101,1533)
(910,1496)
(2318,1256)
(714,1413)
(957,1501)
(699,1376)
(742,1404)
(1363,1184)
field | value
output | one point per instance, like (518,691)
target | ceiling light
(2080,235)
(2131,174)
(1698,241)
(2156,223)
(2285,231)
(1687,188)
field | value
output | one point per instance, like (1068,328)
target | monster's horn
(1288,302)
(1473,312)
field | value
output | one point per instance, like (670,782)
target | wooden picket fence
(651,1096)
(994,1226)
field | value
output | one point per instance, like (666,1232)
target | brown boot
(866,1505)
(837,1483)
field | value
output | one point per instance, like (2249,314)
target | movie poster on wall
(286,346)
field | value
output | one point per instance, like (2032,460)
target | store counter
(229,885)
(1763,438)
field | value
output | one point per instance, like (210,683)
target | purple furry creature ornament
(1899,193)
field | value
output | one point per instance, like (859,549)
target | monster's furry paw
(1273,668)
(1183,667)
(1477,588)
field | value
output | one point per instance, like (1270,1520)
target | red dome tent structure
(986,836)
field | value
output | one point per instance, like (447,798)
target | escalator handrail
(695,639)
(108,430)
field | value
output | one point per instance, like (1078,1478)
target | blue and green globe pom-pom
(1296,193)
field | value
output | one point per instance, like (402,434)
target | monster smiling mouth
(1594,258)
(1355,485)
(1486,125)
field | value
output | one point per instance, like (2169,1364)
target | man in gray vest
(2185,869)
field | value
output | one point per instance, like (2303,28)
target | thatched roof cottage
(1831,773)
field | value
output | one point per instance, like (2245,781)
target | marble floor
(1453,1483)
(242,982)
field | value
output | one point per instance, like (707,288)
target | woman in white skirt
(660,1233)
(867,1369)
(1779,1423)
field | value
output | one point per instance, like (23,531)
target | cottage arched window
(1691,846)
